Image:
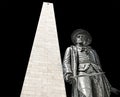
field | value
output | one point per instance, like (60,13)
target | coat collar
(84,48)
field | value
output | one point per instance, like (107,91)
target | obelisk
(44,75)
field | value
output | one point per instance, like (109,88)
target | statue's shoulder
(89,47)
(92,50)
(71,47)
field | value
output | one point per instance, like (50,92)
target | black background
(19,22)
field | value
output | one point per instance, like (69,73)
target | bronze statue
(82,68)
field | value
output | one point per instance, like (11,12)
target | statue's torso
(84,61)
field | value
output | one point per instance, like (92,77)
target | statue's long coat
(100,84)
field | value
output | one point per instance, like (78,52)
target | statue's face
(80,39)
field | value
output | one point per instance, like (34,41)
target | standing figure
(81,68)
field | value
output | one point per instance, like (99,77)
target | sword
(93,74)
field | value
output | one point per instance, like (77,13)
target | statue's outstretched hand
(115,91)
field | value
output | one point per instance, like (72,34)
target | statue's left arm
(97,60)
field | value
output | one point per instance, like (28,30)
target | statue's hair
(81,31)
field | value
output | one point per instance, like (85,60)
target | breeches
(84,86)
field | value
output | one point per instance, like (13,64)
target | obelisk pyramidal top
(44,75)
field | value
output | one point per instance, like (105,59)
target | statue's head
(81,36)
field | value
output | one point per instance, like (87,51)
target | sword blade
(93,74)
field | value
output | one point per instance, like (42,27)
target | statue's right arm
(66,64)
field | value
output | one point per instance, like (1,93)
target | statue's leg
(84,86)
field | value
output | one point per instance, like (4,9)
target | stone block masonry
(44,75)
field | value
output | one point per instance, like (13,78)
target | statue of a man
(82,68)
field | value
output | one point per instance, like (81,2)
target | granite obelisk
(44,75)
